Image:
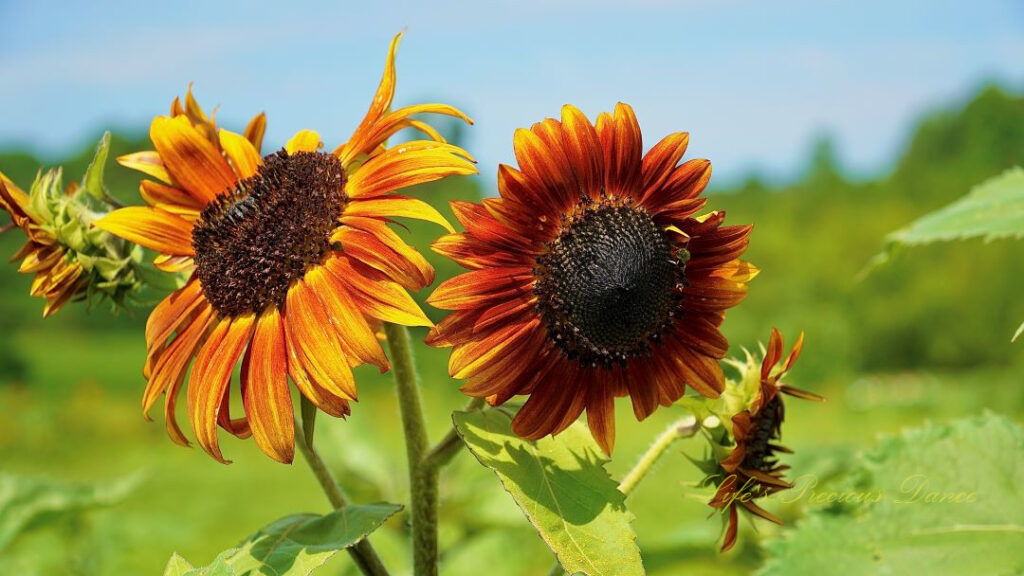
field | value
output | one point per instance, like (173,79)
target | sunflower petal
(255,130)
(304,141)
(243,155)
(210,378)
(315,344)
(151,227)
(149,163)
(193,161)
(395,206)
(268,404)
(380,104)
(375,294)
(351,327)
(405,165)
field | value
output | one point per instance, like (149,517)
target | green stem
(443,452)
(362,552)
(423,497)
(681,429)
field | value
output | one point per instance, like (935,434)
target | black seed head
(607,286)
(760,448)
(255,239)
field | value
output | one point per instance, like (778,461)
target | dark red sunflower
(591,277)
(752,469)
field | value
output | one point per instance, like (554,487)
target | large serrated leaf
(27,501)
(925,520)
(561,485)
(992,210)
(294,545)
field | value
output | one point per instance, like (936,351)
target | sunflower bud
(71,259)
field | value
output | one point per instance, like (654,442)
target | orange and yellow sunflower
(591,277)
(752,470)
(290,258)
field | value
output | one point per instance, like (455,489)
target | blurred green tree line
(945,307)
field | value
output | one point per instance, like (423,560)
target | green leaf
(950,500)
(92,182)
(992,210)
(294,545)
(561,485)
(177,566)
(1017,334)
(26,502)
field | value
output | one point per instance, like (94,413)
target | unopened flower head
(71,260)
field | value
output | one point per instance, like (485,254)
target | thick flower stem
(422,480)
(362,553)
(681,429)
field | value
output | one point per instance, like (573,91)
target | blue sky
(753,82)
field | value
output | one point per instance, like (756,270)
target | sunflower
(590,278)
(752,470)
(58,278)
(289,257)
(71,260)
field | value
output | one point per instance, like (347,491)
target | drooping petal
(170,365)
(312,341)
(268,404)
(601,414)
(174,371)
(211,375)
(375,294)
(351,327)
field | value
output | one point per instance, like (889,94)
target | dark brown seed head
(255,239)
(609,284)
(759,447)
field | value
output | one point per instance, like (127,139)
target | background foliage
(924,337)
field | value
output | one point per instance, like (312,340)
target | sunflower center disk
(760,454)
(608,285)
(255,239)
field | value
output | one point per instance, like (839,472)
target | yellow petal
(407,164)
(397,206)
(150,227)
(268,404)
(241,152)
(193,161)
(304,141)
(149,163)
